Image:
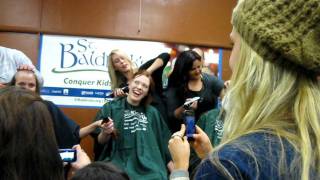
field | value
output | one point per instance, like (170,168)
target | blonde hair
(116,77)
(270,96)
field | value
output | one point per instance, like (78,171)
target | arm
(105,134)
(179,112)
(85,131)
(157,63)
(174,104)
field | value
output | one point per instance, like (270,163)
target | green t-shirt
(141,147)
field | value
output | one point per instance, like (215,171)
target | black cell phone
(190,122)
(105,120)
(68,155)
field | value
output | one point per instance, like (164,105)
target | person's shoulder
(257,144)
(152,109)
(49,103)
(210,78)
(213,112)
(114,102)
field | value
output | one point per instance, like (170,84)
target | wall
(204,23)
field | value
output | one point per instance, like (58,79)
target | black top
(209,94)
(65,129)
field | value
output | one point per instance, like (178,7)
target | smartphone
(105,120)
(68,155)
(189,120)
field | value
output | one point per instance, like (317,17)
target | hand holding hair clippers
(188,103)
(108,127)
(115,93)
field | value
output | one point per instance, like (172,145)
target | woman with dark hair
(66,130)
(28,147)
(187,81)
(134,134)
(271,125)
(100,171)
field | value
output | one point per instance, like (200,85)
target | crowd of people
(262,124)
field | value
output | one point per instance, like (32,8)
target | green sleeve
(207,123)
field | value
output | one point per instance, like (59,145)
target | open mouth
(137,92)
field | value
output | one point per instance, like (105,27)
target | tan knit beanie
(281,30)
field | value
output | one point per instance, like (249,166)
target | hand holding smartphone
(68,155)
(189,120)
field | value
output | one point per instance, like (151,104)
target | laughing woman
(121,70)
(135,136)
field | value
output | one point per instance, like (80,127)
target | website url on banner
(88,100)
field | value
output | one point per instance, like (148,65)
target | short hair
(148,98)
(28,146)
(100,171)
(14,80)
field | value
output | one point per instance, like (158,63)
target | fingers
(182,129)
(199,130)
(82,158)
(119,92)
(2,85)
(179,134)
(77,147)
(108,127)
(26,67)
(194,105)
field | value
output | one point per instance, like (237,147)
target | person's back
(28,147)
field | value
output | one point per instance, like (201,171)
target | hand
(82,158)
(227,84)
(97,124)
(201,143)
(193,105)
(2,85)
(28,67)
(108,127)
(118,92)
(180,149)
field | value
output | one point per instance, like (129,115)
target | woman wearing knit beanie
(272,131)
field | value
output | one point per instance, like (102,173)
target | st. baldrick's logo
(81,56)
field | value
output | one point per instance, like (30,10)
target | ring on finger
(176,135)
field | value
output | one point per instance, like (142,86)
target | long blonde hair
(271,96)
(116,77)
